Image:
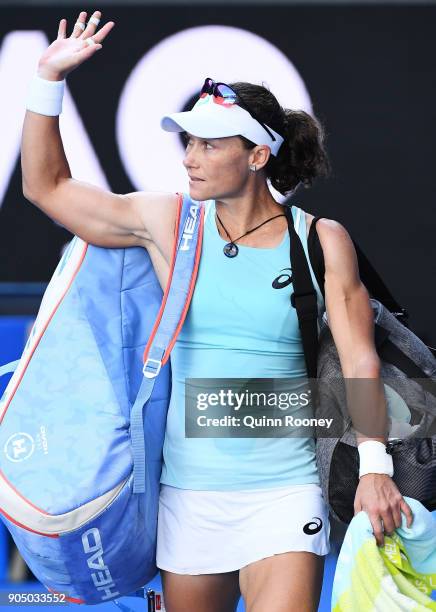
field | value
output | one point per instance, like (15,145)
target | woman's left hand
(379,497)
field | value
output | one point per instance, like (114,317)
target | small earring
(252,167)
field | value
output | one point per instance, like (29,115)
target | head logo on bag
(189,228)
(102,579)
(19,446)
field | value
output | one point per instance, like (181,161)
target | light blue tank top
(238,326)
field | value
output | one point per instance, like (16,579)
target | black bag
(403,356)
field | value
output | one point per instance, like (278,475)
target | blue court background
(137,604)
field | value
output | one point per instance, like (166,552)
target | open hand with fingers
(379,497)
(67,52)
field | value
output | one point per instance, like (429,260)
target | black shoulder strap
(316,254)
(304,297)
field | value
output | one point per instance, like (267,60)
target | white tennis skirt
(206,532)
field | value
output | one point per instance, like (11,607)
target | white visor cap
(207,119)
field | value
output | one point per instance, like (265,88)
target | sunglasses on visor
(225,95)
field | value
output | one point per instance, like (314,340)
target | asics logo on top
(282,280)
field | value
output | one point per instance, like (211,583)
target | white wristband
(45,97)
(374,459)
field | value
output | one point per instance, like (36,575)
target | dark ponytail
(302,156)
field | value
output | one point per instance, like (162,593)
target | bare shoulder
(333,235)
(329,231)
(339,253)
(156,211)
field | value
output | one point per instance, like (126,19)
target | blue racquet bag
(83,416)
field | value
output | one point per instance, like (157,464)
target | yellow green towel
(399,576)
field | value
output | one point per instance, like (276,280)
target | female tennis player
(236,515)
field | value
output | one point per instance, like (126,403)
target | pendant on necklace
(230,249)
